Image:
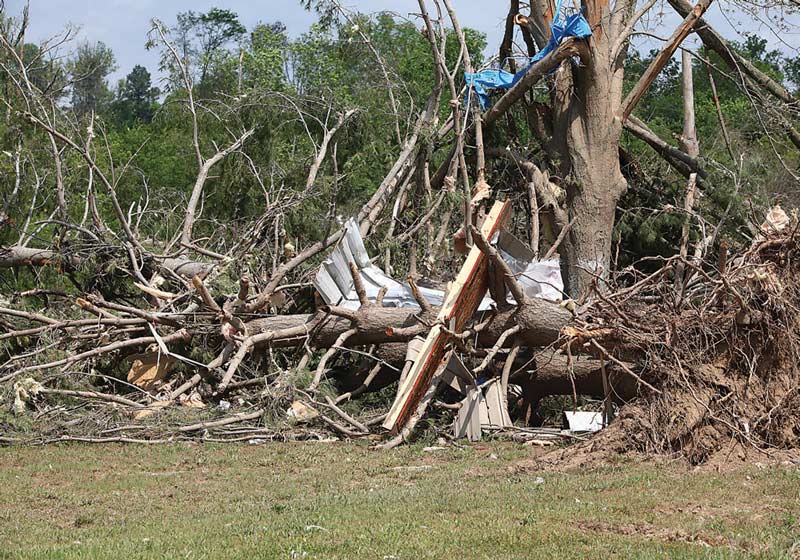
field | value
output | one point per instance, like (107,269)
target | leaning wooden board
(462,301)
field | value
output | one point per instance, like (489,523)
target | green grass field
(347,501)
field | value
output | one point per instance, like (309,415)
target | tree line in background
(252,78)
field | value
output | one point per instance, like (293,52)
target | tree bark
(17,256)
(584,144)
(541,323)
(691,146)
(592,131)
(553,375)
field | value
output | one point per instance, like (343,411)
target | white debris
(25,390)
(584,421)
(334,282)
(776,220)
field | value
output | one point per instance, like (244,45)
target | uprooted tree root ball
(724,358)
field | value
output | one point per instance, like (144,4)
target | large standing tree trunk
(595,183)
(587,130)
(581,130)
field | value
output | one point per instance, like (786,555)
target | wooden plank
(466,293)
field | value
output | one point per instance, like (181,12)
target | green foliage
(650,222)
(287,90)
(263,62)
(290,90)
(200,40)
(136,98)
(88,71)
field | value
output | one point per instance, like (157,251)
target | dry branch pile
(724,355)
(693,368)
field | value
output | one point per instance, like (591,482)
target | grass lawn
(344,500)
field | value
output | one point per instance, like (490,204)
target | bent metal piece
(462,302)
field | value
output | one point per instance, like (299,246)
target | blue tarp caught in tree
(562,28)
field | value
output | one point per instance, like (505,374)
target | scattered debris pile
(195,329)
(689,368)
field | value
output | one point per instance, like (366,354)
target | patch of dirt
(736,456)
(606,448)
(610,447)
(651,532)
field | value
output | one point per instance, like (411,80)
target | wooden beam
(463,298)
(662,58)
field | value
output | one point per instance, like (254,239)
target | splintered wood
(462,301)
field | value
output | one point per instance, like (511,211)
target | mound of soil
(723,357)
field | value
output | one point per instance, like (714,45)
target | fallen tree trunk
(552,374)
(547,375)
(541,322)
(185,267)
(17,256)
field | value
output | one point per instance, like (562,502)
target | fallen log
(17,256)
(186,268)
(555,374)
(547,375)
(541,322)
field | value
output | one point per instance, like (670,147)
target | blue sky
(123,24)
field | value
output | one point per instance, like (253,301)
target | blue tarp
(562,28)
